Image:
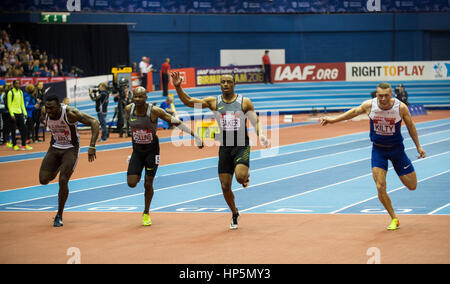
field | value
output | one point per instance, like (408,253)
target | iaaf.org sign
(397,71)
(308,72)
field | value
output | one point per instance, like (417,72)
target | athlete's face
(140,97)
(53,109)
(384,97)
(227,84)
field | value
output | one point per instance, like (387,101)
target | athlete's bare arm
(160,113)
(128,110)
(209,102)
(363,108)
(74,115)
(406,116)
(249,110)
(42,118)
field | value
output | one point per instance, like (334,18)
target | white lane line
(330,185)
(396,189)
(438,209)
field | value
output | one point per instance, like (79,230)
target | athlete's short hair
(232,77)
(52,97)
(384,86)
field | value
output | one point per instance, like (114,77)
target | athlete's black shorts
(231,156)
(64,160)
(140,159)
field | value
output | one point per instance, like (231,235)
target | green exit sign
(55,17)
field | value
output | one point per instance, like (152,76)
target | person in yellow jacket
(16,108)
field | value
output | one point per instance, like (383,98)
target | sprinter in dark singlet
(143,119)
(231,111)
(62,155)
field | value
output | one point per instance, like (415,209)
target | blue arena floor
(327,176)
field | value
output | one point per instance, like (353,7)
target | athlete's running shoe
(58,222)
(395,224)
(234,221)
(146,221)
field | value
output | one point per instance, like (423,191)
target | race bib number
(61,137)
(231,122)
(142,136)
(384,126)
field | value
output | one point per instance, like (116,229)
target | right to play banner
(398,71)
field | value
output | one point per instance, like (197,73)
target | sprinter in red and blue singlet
(386,115)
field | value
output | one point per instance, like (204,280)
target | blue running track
(327,176)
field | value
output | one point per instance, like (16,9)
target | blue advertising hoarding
(227,6)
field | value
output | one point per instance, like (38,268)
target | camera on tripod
(120,89)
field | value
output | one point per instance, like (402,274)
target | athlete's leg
(379,176)
(133,180)
(148,185)
(241,159)
(134,171)
(409,180)
(225,182)
(70,160)
(404,168)
(242,174)
(49,166)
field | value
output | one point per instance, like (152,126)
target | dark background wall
(193,40)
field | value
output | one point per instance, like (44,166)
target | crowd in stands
(18,59)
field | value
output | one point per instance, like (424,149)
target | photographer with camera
(100,96)
(401,94)
(122,96)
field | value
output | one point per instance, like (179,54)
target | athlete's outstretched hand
(325,120)
(198,143)
(264,141)
(176,78)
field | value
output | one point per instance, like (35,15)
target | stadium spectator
(165,67)
(31,105)
(167,106)
(62,67)
(19,59)
(266,67)
(40,103)
(16,108)
(144,68)
(2,110)
(401,94)
(6,118)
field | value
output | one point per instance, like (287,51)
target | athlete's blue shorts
(402,164)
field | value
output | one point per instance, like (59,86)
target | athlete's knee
(133,180)
(148,185)
(381,185)
(63,180)
(226,185)
(45,177)
(241,177)
(412,186)
(43,180)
